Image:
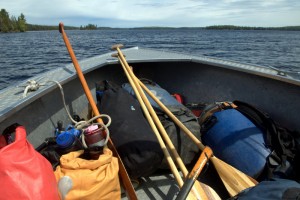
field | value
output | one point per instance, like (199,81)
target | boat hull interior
(197,83)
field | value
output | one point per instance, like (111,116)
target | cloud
(130,13)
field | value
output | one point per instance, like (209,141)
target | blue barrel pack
(68,140)
(237,141)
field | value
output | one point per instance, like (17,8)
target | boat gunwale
(96,62)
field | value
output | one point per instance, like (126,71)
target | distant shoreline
(11,24)
(232,27)
(33,27)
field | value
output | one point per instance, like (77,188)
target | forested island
(11,23)
(232,27)
(19,24)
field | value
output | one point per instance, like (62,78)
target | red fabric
(24,173)
(197,113)
(178,97)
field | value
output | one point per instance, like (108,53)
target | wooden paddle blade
(116,46)
(234,180)
(191,180)
(204,192)
(210,193)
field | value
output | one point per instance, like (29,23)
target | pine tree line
(11,23)
(88,27)
(232,27)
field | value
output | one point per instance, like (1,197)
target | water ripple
(23,55)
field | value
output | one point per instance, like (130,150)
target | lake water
(23,55)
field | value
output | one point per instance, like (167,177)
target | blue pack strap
(209,110)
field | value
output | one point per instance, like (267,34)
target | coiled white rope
(81,125)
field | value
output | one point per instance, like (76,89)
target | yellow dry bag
(78,178)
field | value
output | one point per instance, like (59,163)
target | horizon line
(245,26)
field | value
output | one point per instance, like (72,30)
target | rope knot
(32,85)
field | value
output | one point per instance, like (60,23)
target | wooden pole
(130,192)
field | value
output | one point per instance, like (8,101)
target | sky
(165,13)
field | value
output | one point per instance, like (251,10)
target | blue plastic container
(68,140)
(237,141)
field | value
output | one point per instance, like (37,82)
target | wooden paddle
(234,180)
(156,132)
(192,177)
(130,192)
(147,108)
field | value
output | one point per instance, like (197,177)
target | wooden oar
(130,192)
(192,177)
(154,116)
(147,108)
(234,180)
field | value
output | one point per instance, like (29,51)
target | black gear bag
(130,132)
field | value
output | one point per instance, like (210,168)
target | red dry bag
(24,173)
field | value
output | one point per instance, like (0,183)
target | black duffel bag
(130,132)
(185,147)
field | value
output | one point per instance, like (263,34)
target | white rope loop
(81,125)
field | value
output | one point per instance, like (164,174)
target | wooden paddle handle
(122,171)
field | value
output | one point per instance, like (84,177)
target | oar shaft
(130,192)
(154,116)
(79,73)
(147,107)
(152,124)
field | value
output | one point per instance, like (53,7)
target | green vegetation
(88,27)
(35,27)
(12,24)
(154,27)
(232,27)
